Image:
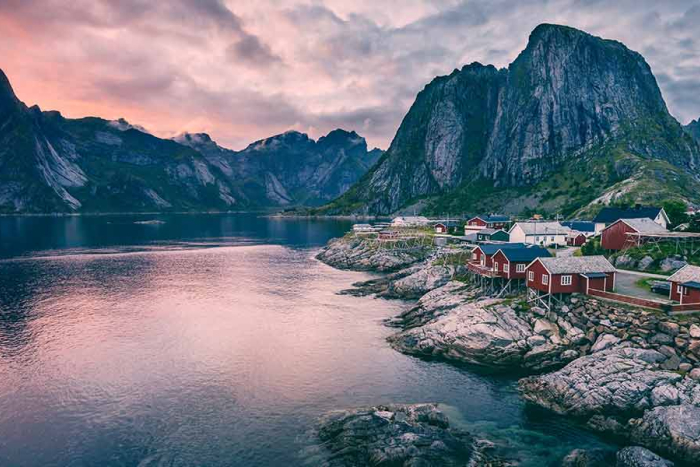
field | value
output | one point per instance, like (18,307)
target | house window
(545,279)
(531,276)
(473,256)
(551,239)
(483,261)
(495,266)
(506,267)
(565,280)
(519,268)
(680,290)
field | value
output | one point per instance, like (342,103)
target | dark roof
(581,226)
(595,275)
(692,285)
(491,248)
(526,254)
(610,215)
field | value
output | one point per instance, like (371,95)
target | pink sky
(244,70)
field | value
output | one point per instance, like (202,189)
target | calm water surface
(209,340)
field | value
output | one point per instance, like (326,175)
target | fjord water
(212,340)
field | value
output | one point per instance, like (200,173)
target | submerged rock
(589,458)
(636,456)
(396,435)
(672,431)
(618,380)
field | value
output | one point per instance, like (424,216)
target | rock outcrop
(434,304)
(356,253)
(617,381)
(400,435)
(568,97)
(488,333)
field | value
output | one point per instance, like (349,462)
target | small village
(549,260)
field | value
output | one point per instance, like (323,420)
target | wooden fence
(645,302)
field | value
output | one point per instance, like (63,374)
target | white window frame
(520,267)
(680,289)
(531,276)
(474,256)
(566,280)
(506,267)
(545,279)
(495,266)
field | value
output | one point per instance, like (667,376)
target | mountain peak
(8,99)
(567,95)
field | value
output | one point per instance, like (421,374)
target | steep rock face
(693,129)
(291,168)
(568,95)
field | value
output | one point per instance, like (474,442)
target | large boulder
(673,431)
(637,456)
(672,263)
(397,435)
(619,380)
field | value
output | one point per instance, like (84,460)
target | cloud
(242,70)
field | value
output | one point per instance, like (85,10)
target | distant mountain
(49,163)
(574,122)
(291,168)
(693,129)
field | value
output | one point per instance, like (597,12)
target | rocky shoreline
(621,371)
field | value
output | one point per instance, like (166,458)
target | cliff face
(52,164)
(291,168)
(567,96)
(693,129)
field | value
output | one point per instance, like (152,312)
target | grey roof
(487,231)
(543,228)
(687,273)
(577,264)
(644,225)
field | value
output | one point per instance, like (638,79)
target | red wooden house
(483,254)
(576,239)
(685,285)
(495,222)
(511,263)
(626,233)
(570,274)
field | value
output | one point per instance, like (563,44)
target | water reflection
(154,353)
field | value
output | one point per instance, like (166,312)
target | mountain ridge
(51,164)
(567,96)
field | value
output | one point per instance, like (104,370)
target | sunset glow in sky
(242,70)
